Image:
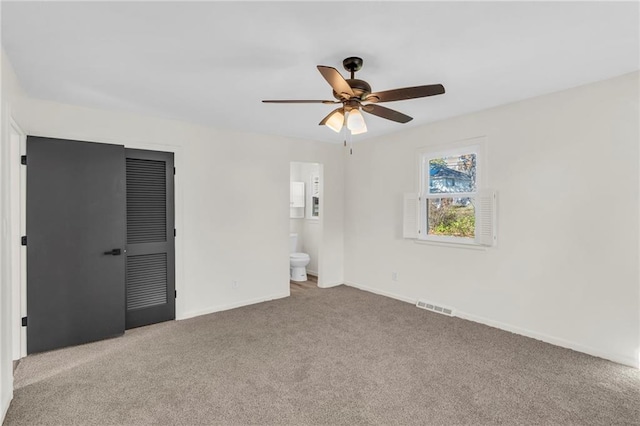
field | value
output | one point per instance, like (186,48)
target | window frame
(471,146)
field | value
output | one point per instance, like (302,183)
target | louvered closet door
(150,255)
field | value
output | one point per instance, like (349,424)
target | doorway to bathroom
(305,224)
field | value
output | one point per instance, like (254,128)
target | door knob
(114,252)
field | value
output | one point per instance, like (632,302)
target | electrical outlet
(394,276)
(234,284)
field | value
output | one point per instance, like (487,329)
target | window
(451,205)
(449,182)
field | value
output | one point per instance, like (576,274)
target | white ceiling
(212,62)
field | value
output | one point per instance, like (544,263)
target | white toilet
(297,261)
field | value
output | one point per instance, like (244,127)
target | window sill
(452,245)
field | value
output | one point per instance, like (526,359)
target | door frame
(319,220)
(18,253)
(18,227)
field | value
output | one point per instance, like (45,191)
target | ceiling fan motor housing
(360,88)
(351,104)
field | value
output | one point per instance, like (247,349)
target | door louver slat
(150,238)
(146,280)
(146,201)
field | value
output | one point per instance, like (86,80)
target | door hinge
(174,170)
(23,240)
(175,294)
(23,160)
(24,321)
(174,232)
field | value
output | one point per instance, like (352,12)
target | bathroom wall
(296,225)
(307,228)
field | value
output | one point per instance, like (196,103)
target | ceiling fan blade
(406,93)
(387,113)
(298,101)
(324,120)
(337,81)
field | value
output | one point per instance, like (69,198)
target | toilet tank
(293,242)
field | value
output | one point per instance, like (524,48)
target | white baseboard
(5,405)
(381,292)
(620,359)
(234,305)
(310,272)
(329,285)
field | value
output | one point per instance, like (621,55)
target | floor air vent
(435,308)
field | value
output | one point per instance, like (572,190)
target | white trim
(228,306)
(17,195)
(460,241)
(556,341)
(438,195)
(381,292)
(456,244)
(5,406)
(329,285)
(476,145)
(310,272)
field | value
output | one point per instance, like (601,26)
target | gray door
(75,236)
(150,254)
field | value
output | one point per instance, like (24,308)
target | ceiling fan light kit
(355,122)
(355,95)
(335,120)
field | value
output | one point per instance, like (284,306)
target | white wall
(296,225)
(565,270)
(312,229)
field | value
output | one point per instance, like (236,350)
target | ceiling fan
(356,95)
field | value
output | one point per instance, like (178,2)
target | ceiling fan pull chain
(344,130)
(350,143)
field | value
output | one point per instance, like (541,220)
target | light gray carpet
(323,356)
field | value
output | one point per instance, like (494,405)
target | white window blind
(411,214)
(486,218)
